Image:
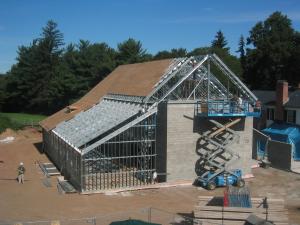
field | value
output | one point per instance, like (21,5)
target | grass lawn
(23,117)
(18,120)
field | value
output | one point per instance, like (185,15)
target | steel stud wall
(64,156)
(124,161)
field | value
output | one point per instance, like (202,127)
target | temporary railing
(216,108)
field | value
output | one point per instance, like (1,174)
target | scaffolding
(113,144)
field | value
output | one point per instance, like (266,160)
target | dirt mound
(8,133)
(26,133)
(29,132)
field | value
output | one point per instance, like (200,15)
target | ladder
(220,157)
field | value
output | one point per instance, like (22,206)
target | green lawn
(18,120)
(21,117)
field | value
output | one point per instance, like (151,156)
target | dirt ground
(34,201)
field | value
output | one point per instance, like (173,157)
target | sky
(158,24)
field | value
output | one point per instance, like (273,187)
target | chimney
(282,96)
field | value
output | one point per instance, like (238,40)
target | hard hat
(21,163)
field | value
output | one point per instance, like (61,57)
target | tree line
(49,75)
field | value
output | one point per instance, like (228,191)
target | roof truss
(192,78)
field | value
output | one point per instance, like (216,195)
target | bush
(6,122)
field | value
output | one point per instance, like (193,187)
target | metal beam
(120,130)
(232,76)
(183,79)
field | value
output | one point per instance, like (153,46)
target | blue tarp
(288,133)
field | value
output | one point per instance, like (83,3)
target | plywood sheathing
(133,79)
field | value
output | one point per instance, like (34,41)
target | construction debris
(64,186)
(7,140)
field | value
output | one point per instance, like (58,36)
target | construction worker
(21,172)
(154,177)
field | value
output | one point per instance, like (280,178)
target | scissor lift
(220,157)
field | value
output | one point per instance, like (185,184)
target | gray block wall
(181,142)
(244,146)
(257,137)
(280,154)
(184,140)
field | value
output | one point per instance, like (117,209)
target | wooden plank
(224,128)
(271,207)
(253,199)
(220,213)
(276,210)
(225,222)
(237,216)
(236,209)
(215,222)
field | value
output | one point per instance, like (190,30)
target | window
(290,116)
(270,113)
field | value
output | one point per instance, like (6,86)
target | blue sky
(158,24)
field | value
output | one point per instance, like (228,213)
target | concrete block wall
(181,142)
(184,136)
(280,154)
(243,147)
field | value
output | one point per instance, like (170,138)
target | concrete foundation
(185,144)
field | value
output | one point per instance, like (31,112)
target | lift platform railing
(230,108)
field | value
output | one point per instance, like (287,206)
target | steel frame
(127,159)
(126,154)
(174,83)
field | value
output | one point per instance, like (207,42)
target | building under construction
(177,117)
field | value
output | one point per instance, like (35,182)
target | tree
(242,52)
(3,79)
(241,48)
(89,63)
(219,41)
(174,53)
(51,39)
(231,61)
(273,41)
(131,51)
(29,81)
(293,65)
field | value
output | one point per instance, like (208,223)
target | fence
(152,215)
(27,123)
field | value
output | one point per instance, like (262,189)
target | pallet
(48,169)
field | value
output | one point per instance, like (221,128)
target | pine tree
(242,52)
(219,41)
(241,48)
(131,51)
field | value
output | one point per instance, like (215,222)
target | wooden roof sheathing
(133,79)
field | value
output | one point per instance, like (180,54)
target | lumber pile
(210,210)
